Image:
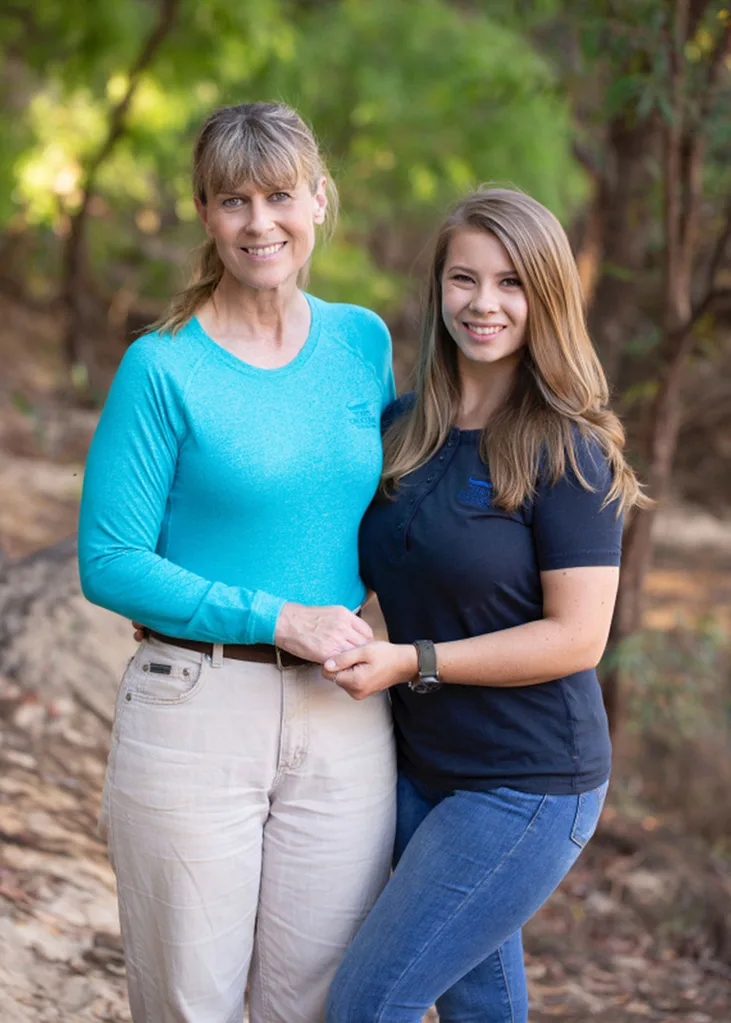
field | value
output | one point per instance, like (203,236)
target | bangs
(248,154)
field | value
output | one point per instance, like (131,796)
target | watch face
(426,684)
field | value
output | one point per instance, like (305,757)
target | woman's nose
(486,300)
(260,217)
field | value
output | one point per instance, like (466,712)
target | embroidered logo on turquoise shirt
(362,414)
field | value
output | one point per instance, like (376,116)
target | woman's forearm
(525,655)
(141,585)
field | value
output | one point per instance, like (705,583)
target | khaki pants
(249,813)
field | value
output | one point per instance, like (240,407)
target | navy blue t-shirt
(447,565)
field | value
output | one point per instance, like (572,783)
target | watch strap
(427,656)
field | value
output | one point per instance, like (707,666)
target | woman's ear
(202,210)
(320,200)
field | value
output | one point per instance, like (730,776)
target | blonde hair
(560,384)
(266,144)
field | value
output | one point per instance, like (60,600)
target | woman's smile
(483,331)
(263,252)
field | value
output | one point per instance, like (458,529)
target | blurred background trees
(615,113)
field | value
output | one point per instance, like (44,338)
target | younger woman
(494,551)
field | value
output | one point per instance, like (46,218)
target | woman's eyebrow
(469,270)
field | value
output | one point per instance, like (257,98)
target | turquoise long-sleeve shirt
(216,491)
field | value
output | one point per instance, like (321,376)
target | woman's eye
(279,196)
(231,203)
(512,282)
(462,278)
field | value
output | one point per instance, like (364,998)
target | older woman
(249,803)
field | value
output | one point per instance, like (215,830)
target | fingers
(318,633)
(340,664)
(346,678)
(355,682)
(363,629)
(352,640)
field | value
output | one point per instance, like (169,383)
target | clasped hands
(362,665)
(368,669)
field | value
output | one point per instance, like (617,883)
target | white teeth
(264,250)
(484,331)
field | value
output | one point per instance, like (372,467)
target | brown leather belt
(263,653)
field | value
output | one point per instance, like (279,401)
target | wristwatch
(427,678)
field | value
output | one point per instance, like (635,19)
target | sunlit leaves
(414,101)
(49,174)
(343,271)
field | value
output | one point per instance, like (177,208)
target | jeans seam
(266,1001)
(575,837)
(507,985)
(382,1006)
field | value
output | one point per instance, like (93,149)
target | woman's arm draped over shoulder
(129,474)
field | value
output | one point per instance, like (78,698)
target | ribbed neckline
(293,366)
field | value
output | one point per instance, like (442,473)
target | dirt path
(607,947)
(640,928)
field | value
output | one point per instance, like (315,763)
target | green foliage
(415,102)
(343,271)
(676,754)
(676,681)
(418,101)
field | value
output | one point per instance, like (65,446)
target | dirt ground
(640,928)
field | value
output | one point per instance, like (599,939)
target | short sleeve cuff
(580,559)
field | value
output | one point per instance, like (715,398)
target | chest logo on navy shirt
(477,493)
(362,414)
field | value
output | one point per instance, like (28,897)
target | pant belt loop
(217,656)
(278,655)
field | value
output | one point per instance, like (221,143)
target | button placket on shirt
(437,469)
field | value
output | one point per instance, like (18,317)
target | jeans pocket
(589,807)
(164,675)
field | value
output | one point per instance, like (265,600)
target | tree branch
(673,214)
(588,161)
(166,19)
(75,283)
(719,251)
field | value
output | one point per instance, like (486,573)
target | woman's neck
(265,328)
(484,389)
(233,307)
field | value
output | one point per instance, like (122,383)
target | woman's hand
(372,667)
(316,633)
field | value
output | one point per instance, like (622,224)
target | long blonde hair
(560,384)
(266,144)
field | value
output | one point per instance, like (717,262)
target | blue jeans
(472,868)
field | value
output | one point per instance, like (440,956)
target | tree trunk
(626,224)
(637,546)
